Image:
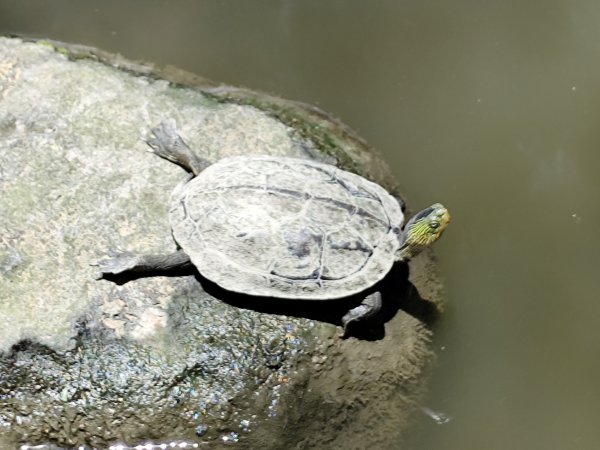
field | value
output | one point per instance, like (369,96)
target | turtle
(283,227)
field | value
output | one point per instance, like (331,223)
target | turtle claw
(345,333)
(164,139)
(365,312)
(117,264)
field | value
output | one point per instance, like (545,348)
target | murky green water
(492,108)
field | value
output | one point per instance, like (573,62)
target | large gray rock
(87,362)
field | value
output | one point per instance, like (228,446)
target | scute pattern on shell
(286,227)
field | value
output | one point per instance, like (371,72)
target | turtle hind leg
(368,308)
(166,143)
(126,262)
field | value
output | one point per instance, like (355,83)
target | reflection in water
(438,417)
(492,107)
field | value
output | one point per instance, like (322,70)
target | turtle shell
(286,227)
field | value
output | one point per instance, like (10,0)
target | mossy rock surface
(169,359)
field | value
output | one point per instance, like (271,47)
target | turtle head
(423,229)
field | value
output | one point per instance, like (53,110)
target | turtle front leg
(367,309)
(167,144)
(128,262)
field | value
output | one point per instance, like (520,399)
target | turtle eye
(434,225)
